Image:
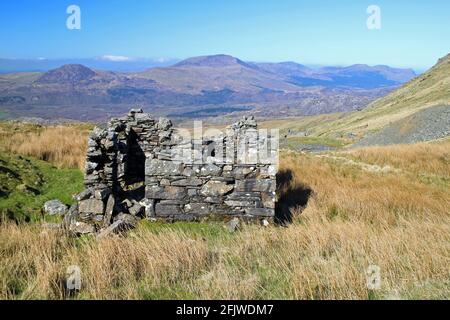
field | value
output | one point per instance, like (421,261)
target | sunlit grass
(354,218)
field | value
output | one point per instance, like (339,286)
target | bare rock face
(139,167)
(167,210)
(71,217)
(55,207)
(256,185)
(122,223)
(94,206)
(109,211)
(86,194)
(216,189)
(161,167)
(79,228)
(211,170)
(115,228)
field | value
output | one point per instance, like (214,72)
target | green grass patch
(26,184)
(440,181)
(430,290)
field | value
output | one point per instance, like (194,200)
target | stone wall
(139,167)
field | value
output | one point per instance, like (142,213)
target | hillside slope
(385,206)
(215,73)
(427,90)
(428,124)
(26,184)
(418,111)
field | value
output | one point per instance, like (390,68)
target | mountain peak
(214,61)
(67,74)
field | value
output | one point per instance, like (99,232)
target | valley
(380,134)
(76,92)
(417,111)
(226,151)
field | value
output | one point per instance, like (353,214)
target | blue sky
(327,32)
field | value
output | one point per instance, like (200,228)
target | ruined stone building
(139,167)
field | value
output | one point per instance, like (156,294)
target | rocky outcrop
(426,125)
(139,167)
(55,207)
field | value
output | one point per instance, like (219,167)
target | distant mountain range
(107,62)
(417,111)
(197,87)
(429,90)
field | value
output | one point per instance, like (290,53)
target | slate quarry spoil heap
(142,168)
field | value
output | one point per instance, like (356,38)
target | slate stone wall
(139,167)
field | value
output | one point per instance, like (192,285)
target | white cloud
(162,60)
(115,58)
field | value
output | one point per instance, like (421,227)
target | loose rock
(233,225)
(55,207)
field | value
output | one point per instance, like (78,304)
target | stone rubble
(135,169)
(55,207)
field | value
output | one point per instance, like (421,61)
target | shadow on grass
(290,197)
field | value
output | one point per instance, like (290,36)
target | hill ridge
(69,73)
(430,89)
(216,81)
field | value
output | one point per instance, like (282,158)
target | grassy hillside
(364,207)
(38,164)
(26,184)
(428,90)
(351,209)
(23,78)
(63,146)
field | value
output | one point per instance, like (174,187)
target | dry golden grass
(353,219)
(64,146)
(426,158)
(375,197)
(34,262)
